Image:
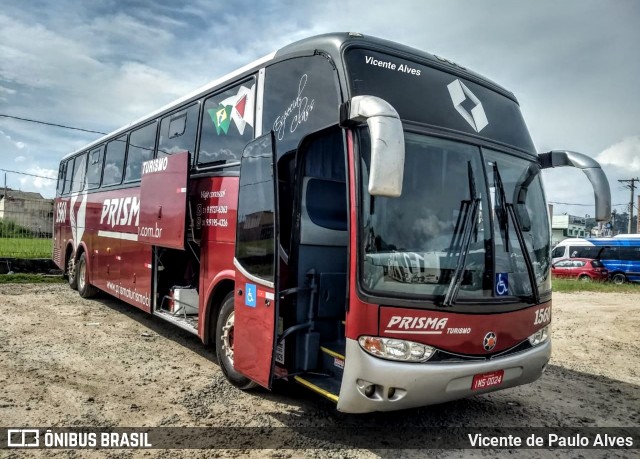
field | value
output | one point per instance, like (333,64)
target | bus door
(163,214)
(255,299)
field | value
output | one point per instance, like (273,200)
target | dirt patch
(66,361)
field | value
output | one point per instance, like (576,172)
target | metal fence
(26,225)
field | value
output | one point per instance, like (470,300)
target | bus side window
(61,174)
(227,125)
(114,161)
(79,172)
(94,168)
(609,253)
(142,142)
(178,132)
(68,176)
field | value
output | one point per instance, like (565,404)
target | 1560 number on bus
(542,316)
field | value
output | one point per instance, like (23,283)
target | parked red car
(580,268)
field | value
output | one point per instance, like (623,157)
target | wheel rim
(81,273)
(227,337)
(618,279)
(71,269)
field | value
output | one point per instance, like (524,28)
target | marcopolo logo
(459,93)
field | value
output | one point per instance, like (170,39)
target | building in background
(29,210)
(566,226)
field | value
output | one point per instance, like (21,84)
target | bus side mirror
(387,142)
(593,171)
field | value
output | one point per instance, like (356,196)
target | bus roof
(619,240)
(332,44)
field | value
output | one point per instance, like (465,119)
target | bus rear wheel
(72,273)
(619,278)
(224,345)
(85,289)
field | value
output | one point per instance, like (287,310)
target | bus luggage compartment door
(163,201)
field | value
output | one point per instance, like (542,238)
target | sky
(574,66)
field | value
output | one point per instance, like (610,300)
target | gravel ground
(66,361)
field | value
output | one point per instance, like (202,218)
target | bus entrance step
(332,358)
(326,386)
(334,348)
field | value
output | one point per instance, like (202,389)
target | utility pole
(631,184)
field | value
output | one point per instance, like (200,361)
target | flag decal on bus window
(221,118)
(238,108)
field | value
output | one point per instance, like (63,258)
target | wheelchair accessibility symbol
(502,284)
(250,297)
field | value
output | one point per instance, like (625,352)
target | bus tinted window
(79,169)
(586,251)
(629,253)
(255,243)
(178,132)
(67,176)
(61,172)
(94,168)
(609,253)
(227,124)
(141,144)
(114,162)
(300,96)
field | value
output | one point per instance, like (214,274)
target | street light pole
(632,186)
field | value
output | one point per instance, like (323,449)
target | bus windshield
(411,244)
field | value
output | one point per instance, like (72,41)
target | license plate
(486,380)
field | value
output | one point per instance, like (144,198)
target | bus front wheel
(85,289)
(224,345)
(619,278)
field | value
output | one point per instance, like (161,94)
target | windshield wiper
(503,219)
(501,203)
(467,219)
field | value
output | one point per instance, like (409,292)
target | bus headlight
(396,349)
(540,336)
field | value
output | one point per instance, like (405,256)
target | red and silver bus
(357,216)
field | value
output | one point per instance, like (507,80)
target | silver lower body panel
(400,385)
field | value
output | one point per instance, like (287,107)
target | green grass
(30,279)
(25,247)
(571,285)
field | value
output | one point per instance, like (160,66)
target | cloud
(8,146)
(20,159)
(624,154)
(42,180)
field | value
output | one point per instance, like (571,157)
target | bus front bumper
(398,385)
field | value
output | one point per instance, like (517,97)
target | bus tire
(72,276)
(85,289)
(224,345)
(618,278)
